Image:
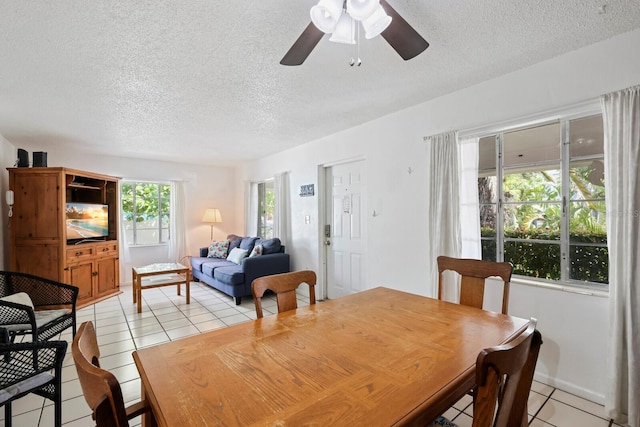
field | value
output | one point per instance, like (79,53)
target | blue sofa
(235,279)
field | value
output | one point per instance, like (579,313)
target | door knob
(327,242)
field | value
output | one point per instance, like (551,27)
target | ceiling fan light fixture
(362,9)
(345,30)
(325,14)
(376,23)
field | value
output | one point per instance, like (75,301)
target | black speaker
(23,158)
(39,159)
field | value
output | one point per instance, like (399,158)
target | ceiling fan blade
(401,36)
(303,46)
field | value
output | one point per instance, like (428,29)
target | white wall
(205,187)
(8,156)
(574,326)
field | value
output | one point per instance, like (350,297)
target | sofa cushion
(248,243)
(212,264)
(196,263)
(237,255)
(218,249)
(270,246)
(232,275)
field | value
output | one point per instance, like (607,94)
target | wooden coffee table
(157,275)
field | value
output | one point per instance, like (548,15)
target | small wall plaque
(307,190)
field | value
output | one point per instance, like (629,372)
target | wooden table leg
(133,284)
(188,288)
(139,292)
(148,419)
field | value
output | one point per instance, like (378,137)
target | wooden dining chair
(503,380)
(284,285)
(101,389)
(474,272)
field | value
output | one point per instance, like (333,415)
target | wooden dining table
(380,357)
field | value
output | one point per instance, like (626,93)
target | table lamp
(212,216)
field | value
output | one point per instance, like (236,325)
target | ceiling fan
(339,17)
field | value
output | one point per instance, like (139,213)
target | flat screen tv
(86,221)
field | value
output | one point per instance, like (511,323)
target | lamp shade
(344,31)
(325,14)
(212,215)
(376,23)
(361,9)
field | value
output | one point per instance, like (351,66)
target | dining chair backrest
(284,286)
(473,273)
(503,378)
(100,387)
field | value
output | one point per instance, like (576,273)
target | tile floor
(166,317)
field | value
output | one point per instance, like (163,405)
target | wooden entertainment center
(46,243)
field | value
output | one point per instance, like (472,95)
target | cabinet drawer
(79,253)
(107,249)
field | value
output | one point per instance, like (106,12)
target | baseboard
(570,388)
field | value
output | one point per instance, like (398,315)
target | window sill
(560,287)
(151,245)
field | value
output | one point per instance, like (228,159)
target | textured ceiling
(200,81)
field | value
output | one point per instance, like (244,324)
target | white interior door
(345,229)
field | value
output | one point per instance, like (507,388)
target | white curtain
(443,196)
(125,253)
(251,214)
(469,204)
(281,211)
(177,236)
(621,116)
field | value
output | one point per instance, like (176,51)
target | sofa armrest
(265,265)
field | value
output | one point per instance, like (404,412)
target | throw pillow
(237,255)
(256,251)
(218,249)
(19,298)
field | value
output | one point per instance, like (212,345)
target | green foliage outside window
(542,260)
(532,224)
(146,209)
(266,209)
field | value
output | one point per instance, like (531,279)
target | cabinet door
(81,275)
(108,280)
(36,211)
(42,259)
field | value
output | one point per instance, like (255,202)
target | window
(266,205)
(542,201)
(146,212)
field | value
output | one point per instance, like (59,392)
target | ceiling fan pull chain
(357,61)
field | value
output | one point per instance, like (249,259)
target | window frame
(565,201)
(160,229)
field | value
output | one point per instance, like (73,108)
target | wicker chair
(50,307)
(31,367)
